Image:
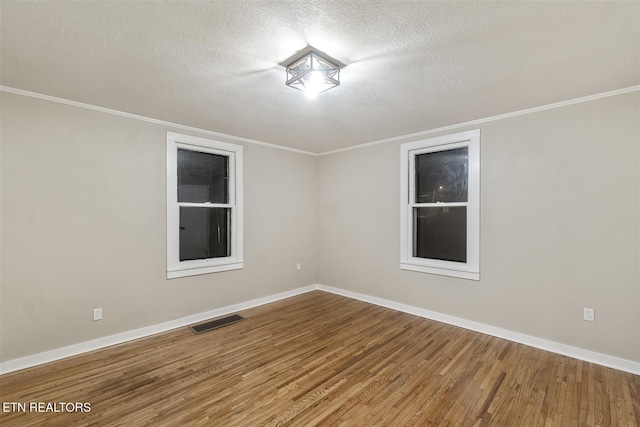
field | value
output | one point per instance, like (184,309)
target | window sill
(185,272)
(440,271)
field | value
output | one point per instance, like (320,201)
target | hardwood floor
(322,359)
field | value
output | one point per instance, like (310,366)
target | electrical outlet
(97,313)
(299,266)
(589,314)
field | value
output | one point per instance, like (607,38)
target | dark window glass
(442,176)
(204,233)
(440,233)
(202,177)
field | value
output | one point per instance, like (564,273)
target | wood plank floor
(322,359)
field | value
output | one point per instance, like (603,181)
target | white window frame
(175,267)
(408,152)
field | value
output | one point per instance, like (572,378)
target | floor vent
(215,324)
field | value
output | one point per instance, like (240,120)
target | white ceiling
(411,65)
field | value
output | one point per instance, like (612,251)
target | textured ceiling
(410,65)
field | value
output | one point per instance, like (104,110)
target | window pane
(442,176)
(204,233)
(202,177)
(440,233)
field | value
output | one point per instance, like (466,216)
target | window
(204,206)
(440,205)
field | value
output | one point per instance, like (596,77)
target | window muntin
(204,206)
(440,186)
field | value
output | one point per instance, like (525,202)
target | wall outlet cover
(589,314)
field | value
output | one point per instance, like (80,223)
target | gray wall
(83,226)
(560,209)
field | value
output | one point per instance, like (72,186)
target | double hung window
(204,206)
(440,205)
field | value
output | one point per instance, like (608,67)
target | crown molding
(149,119)
(417,135)
(401,138)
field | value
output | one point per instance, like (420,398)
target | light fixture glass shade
(313,73)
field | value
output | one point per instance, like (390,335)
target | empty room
(319,213)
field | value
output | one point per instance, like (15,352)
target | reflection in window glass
(440,233)
(202,177)
(204,233)
(442,176)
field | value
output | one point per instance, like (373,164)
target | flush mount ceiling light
(312,72)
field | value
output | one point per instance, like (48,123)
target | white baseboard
(83,347)
(543,344)
(566,350)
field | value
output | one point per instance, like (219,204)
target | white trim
(543,344)
(149,119)
(408,137)
(532,341)
(234,152)
(440,271)
(195,271)
(408,151)
(87,346)
(399,138)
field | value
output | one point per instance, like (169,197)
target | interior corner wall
(82,221)
(84,225)
(560,202)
